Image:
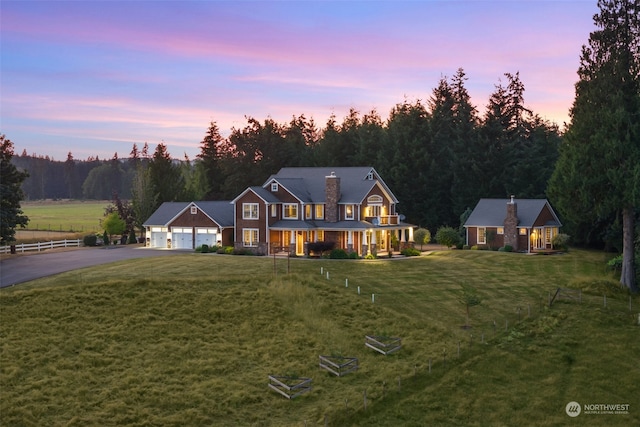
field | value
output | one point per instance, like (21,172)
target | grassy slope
(191,340)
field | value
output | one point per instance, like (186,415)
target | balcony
(383,220)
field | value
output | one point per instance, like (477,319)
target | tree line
(439,157)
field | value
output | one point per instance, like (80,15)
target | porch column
(363,239)
(373,242)
(410,234)
(292,241)
(350,241)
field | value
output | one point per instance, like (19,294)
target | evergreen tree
(598,168)
(210,162)
(165,176)
(11,215)
(144,196)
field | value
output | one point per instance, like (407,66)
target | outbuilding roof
(492,213)
(221,212)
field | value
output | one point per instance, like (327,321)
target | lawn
(65,215)
(192,339)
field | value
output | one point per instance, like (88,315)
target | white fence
(41,246)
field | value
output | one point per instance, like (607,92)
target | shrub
(465,247)
(338,254)
(228,250)
(320,247)
(447,236)
(508,248)
(353,255)
(132,238)
(105,238)
(204,248)
(410,252)
(422,236)
(560,242)
(474,247)
(370,256)
(90,240)
(615,263)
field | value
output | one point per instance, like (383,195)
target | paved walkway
(22,268)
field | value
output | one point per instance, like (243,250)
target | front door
(300,243)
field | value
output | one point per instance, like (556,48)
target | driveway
(30,266)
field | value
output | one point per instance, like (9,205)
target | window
(370,176)
(290,211)
(500,230)
(249,211)
(194,210)
(522,231)
(307,211)
(250,237)
(274,187)
(348,212)
(482,235)
(319,211)
(274,210)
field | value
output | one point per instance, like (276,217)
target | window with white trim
(290,211)
(274,187)
(194,210)
(348,212)
(307,211)
(482,235)
(319,211)
(274,210)
(500,230)
(249,211)
(250,237)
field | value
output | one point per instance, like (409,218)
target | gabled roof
(165,213)
(308,184)
(221,212)
(264,194)
(492,213)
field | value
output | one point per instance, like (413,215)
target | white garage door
(206,236)
(158,238)
(181,238)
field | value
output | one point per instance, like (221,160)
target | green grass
(191,340)
(78,216)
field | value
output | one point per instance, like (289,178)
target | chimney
(332,196)
(511,225)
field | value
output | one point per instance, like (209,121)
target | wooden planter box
(384,345)
(289,387)
(337,365)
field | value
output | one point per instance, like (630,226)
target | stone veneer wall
(511,226)
(332,196)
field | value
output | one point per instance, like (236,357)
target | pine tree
(11,215)
(598,168)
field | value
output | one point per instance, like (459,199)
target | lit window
(482,235)
(500,230)
(274,210)
(348,213)
(523,231)
(307,211)
(250,237)
(290,211)
(319,211)
(249,211)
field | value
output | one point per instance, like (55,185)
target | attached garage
(181,238)
(158,237)
(206,236)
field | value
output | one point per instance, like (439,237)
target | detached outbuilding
(527,225)
(188,225)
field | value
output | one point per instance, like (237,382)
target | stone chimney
(511,225)
(332,196)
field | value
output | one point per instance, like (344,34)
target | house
(188,225)
(349,206)
(525,224)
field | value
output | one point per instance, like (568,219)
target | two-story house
(350,206)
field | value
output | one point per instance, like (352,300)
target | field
(65,215)
(192,339)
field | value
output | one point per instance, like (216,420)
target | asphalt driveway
(30,266)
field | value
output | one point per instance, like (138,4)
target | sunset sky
(94,77)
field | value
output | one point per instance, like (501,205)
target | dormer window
(274,187)
(370,176)
(194,210)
